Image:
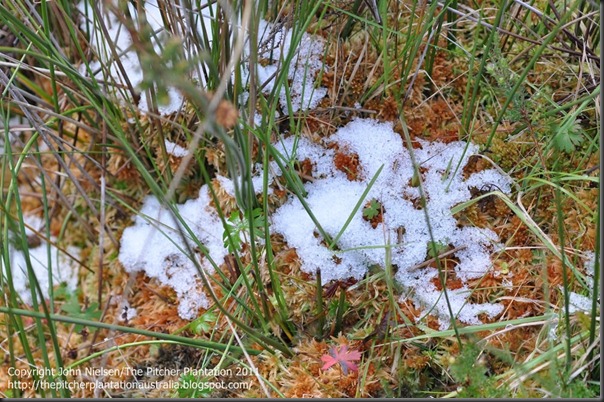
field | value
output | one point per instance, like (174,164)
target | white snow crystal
(154,244)
(590,266)
(275,44)
(125,311)
(578,302)
(122,41)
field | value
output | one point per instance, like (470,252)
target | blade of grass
(356,208)
(435,252)
(529,66)
(95,324)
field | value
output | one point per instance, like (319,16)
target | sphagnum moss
(366,75)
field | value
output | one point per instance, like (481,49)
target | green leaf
(192,387)
(232,229)
(372,210)
(72,308)
(237,225)
(436,248)
(62,293)
(568,136)
(203,324)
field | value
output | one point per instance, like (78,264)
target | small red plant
(343,356)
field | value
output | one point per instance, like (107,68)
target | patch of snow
(120,37)
(300,149)
(226,184)
(332,198)
(578,302)
(155,245)
(274,46)
(44,258)
(175,149)
(590,265)
(432,301)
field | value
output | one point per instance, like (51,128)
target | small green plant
(568,135)
(203,324)
(470,372)
(436,248)
(72,307)
(372,209)
(237,229)
(335,306)
(505,78)
(558,386)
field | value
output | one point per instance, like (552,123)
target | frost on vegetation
(590,266)
(274,43)
(577,302)
(332,198)
(155,245)
(44,258)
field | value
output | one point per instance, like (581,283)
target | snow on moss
(119,37)
(274,42)
(45,258)
(153,244)
(579,302)
(275,45)
(333,197)
(175,149)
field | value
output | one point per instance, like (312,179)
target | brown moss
(348,163)
(451,282)
(226,201)
(516,232)
(321,123)
(389,110)
(475,164)
(413,359)
(484,288)
(304,169)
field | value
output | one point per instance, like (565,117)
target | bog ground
(300,199)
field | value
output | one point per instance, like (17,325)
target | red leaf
(342,356)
